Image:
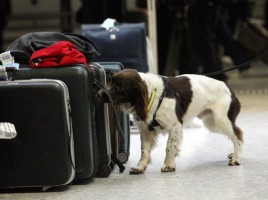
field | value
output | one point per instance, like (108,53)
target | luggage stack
(57,130)
(79,80)
(94,138)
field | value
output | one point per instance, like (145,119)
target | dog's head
(127,87)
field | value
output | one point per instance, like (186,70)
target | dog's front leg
(148,140)
(173,148)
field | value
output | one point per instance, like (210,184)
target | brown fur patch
(238,132)
(179,88)
(128,87)
(234,110)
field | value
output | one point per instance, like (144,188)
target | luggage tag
(8,60)
(109,25)
(7,130)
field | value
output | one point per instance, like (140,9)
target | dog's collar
(152,98)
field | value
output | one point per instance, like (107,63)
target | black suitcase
(35,120)
(79,80)
(120,148)
(105,163)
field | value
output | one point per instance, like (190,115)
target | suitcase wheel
(112,165)
(123,157)
(104,171)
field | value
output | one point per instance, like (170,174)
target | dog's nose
(103,96)
(100,93)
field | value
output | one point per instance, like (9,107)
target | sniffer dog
(161,103)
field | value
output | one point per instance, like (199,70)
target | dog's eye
(119,88)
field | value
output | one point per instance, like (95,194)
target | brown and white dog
(166,103)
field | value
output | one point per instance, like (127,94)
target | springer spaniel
(165,103)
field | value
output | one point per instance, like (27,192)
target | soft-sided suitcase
(38,150)
(125,43)
(105,164)
(79,80)
(120,148)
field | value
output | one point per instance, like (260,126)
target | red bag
(60,54)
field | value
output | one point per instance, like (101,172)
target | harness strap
(154,123)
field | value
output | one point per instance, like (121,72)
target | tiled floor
(202,171)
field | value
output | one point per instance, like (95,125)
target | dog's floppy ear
(141,103)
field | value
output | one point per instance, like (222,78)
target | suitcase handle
(13,71)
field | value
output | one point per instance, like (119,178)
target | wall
(26,6)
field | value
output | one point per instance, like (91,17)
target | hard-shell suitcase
(120,148)
(79,80)
(105,164)
(36,145)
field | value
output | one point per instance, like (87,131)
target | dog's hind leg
(148,140)
(173,148)
(208,120)
(235,158)
(228,128)
(237,140)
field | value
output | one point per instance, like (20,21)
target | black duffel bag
(23,47)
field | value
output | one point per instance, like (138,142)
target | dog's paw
(168,168)
(135,171)
(233,161)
